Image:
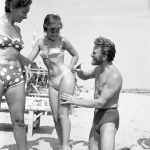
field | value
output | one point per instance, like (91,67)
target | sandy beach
(134,129)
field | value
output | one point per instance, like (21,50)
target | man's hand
(67,99)
(77,67)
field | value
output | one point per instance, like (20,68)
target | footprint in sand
(43,145)
(136,147)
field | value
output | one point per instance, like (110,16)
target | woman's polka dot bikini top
(6,41)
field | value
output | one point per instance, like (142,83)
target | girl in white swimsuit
(61,80)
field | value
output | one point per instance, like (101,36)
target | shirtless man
(108,83)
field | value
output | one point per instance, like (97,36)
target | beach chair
(36,106)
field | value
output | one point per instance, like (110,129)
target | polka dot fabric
(8,42)
(10,76)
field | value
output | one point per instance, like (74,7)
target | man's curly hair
(107,47)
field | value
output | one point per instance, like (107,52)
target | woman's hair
(10,4)
(52,20)
(107,47)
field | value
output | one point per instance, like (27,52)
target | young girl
(51,48)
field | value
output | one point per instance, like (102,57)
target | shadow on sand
(39,143)
(7,127)
(144,143)
(44,143)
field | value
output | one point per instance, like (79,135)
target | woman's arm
(35,51)
(24,61)
(68,46)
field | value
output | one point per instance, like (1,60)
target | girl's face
(18,14)
(53,33)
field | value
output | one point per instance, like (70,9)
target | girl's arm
(35,51)
(68,46)
(25,61)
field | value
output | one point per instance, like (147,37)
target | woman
(11,79)
(51,48)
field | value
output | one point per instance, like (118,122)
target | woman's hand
(28,73)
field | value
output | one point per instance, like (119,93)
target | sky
(125,22)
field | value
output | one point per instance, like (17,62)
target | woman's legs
(67,85)
(15,97)
(1,92)
(53,97)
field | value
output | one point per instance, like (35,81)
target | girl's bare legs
(16,101)
(53,97)
(61,113)
(67,85)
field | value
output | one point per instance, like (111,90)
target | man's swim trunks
(10,76)
(102,116)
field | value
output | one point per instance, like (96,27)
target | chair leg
(30,124)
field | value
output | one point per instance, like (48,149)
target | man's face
(97,56)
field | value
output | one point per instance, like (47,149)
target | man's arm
(85,75)
(111,88)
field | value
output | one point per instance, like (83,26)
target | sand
(134,129)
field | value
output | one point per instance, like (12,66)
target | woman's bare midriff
(9,56)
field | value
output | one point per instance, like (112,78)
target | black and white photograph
(74,75)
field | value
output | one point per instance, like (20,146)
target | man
(108,83)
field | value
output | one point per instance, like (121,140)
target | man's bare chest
(100,82)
